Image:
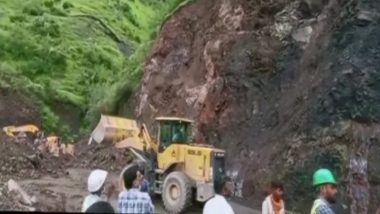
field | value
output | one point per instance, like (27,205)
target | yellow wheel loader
(177,169)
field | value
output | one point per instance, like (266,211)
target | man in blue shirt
(132,200)
(144,184)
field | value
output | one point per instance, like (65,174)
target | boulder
(17,192)
(366,17)
(303,34)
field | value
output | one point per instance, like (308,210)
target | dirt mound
(20,160)
(23,160)
(104,156)
(16,109)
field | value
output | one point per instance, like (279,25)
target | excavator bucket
(116,129)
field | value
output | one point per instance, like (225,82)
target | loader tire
(177,192)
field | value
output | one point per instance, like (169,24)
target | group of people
(323,181)
(134,196)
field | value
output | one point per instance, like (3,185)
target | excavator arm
(13,130)
(144,134)
(9,131)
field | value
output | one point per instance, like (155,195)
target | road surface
(67,193)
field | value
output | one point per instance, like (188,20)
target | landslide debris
(17,109)
(23,161)
(104,156)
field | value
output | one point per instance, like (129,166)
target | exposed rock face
(283,85)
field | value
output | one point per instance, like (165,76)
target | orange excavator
(51,144)
(13,131)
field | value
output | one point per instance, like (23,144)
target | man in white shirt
(95,185)
(218,203)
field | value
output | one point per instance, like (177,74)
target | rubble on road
(20,198)
(23,160)
(105,156)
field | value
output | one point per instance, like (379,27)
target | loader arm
(123,133)
(144,134)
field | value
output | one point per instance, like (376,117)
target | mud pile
(16,109)
(23,160)
(103,156)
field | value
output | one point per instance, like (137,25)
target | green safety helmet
(323,176)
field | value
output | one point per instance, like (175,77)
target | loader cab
(173,131)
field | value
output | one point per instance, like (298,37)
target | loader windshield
(174,132)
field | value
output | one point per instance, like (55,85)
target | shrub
(17,18)
(49,119)
(57,11)
(67,5)
(33,10)
(49,4)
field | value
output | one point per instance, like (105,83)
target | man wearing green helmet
(326,184)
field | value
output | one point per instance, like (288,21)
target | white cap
(96,180)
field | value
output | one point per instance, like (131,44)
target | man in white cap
(95,186)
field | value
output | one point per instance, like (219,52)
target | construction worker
(273,203)
(219,204)
(326,184)
(95,186)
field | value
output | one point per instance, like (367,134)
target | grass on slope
(86,53)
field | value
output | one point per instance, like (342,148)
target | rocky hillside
(287,86)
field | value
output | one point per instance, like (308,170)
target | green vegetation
(86,53)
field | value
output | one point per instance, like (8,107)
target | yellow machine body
(12,131)
(176,159)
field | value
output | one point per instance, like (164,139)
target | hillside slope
(287,86)
(76,56)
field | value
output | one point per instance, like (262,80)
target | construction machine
(12,131)
(51,144)
(178,169)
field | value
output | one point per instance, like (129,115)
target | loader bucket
(115,129)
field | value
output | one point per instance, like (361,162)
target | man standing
(274,204)
(218,204)
(143,183)
(325,182)
(95,186)
(131,200)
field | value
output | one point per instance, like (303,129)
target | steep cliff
(287,86)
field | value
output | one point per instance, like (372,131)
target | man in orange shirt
(273,203)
